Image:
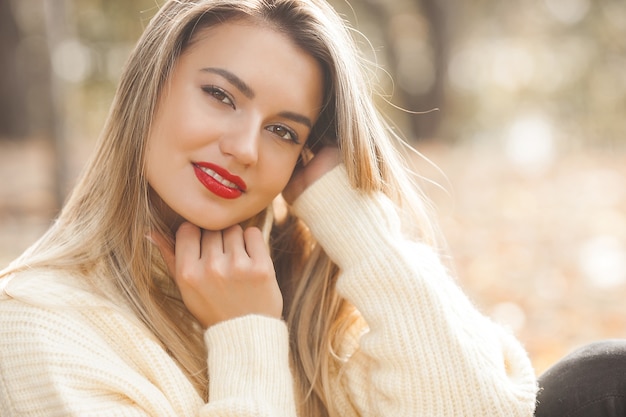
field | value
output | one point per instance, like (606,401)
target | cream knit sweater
(426,351)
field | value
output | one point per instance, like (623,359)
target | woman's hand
(223,275)
(325,160)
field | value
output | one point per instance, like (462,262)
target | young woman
(168,286)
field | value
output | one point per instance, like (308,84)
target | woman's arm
(428,351)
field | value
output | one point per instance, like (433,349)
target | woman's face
(231,123)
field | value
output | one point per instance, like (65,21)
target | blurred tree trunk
(426,127)
(434,12)
(29,108)
(56,31)
(13,114)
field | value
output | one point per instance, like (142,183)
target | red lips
(220,182)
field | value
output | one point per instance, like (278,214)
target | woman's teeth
(217,177)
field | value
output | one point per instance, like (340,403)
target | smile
(218,180)
(217,177)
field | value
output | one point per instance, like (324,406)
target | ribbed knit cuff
(249,357)
(349,224)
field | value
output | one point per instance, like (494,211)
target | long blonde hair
(106,219)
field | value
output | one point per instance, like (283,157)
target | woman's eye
(218,94)
(284,133)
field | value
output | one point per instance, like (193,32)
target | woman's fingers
(255,244)
(211,244)
(234,245)
(166,250)
(187,251)
(325,160)
(225,274)
(188,242)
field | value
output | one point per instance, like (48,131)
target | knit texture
(425,350)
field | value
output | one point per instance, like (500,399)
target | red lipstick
(218,180)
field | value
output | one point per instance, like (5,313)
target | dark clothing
(590,382)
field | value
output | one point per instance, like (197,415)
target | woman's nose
(242,142)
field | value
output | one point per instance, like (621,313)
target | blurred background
(519,109)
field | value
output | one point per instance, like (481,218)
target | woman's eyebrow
(233,79)
(247,91)
(297,118)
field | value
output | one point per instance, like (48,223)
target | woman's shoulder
(50,288)
(32,301)
(55,306)
(62,344)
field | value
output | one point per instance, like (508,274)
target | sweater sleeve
(427,350)
(58,359)
(249,360)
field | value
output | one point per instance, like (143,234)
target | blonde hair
(107,217)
